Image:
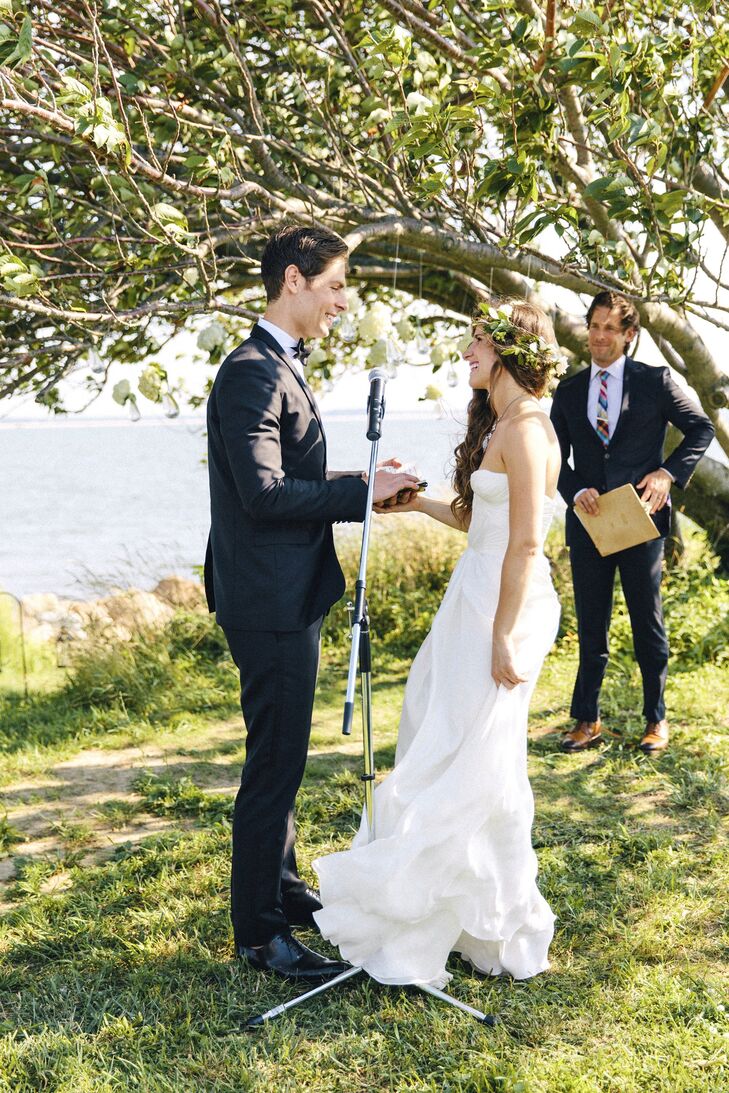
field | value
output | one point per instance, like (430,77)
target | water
(85,506)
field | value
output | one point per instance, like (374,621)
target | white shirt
(614,397)
(287,342)
(614,392)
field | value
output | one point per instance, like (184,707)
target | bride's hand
(503,669)
(410,503)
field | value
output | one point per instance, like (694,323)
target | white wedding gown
(452,866)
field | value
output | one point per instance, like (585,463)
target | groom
(611,420)
(271,574)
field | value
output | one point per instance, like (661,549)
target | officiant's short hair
(309,248)
(615,301)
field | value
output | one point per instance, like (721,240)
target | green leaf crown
(533,351)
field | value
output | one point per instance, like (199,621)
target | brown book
(622,521)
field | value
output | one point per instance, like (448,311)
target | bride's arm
(524,453)
(437,510)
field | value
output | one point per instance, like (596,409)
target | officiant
(611,421)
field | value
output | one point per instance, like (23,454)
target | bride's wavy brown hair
(481,415)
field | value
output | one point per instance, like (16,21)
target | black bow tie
(300,351)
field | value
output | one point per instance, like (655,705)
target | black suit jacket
(270,562)
(650,401)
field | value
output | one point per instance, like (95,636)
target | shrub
(184,665)
(410,564)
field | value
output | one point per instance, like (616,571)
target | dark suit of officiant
(650,401)
(271,574)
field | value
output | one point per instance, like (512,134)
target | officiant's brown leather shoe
(586,734)
(655,738)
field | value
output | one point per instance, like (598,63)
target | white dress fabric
(452,867)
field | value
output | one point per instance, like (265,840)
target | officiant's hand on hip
(656,487)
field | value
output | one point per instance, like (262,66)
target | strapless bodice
(489,530)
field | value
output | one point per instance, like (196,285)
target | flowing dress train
(452,866)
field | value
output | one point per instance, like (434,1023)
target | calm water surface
(86,506)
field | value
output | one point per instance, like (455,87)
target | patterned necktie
(602,427)
(301,352)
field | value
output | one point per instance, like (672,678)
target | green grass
(123,980)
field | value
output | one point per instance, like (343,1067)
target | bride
(452,867)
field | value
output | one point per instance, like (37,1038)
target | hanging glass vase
(393,357)
(170,405)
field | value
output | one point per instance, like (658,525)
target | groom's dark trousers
(271,574)
(650,400)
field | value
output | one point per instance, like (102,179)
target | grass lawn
(122,979)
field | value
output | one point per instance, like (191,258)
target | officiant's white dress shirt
(614,396)
(614,392)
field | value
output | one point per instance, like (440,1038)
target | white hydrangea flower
(121,392)
(432,393)
(211,337)
(405,328)
(377,355)
(561,366)
(505,310)
(376,322)
(316,357)
(150,384)
(440,353)
(355,303)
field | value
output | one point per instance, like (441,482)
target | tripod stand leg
(259,1020)
(484,1018)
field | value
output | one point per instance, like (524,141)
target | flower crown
(533,351)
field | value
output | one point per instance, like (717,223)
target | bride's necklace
(501,417)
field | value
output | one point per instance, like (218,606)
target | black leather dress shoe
(286,956)
(299,909)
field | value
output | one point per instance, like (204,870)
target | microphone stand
(361,651)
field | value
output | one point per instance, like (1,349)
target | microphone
(376,403)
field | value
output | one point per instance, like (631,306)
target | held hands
(503,670)
(409,502)
(656,487)
(387,484)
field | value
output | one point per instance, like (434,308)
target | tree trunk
(706,502)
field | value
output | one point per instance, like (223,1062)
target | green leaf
(603,188)
(101,135)
(166,213)
(75,89)
(24,49)
(587,22)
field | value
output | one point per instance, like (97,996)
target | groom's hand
(389,485)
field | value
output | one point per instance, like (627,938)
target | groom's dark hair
(311,249)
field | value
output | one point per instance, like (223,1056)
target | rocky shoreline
(115,617)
